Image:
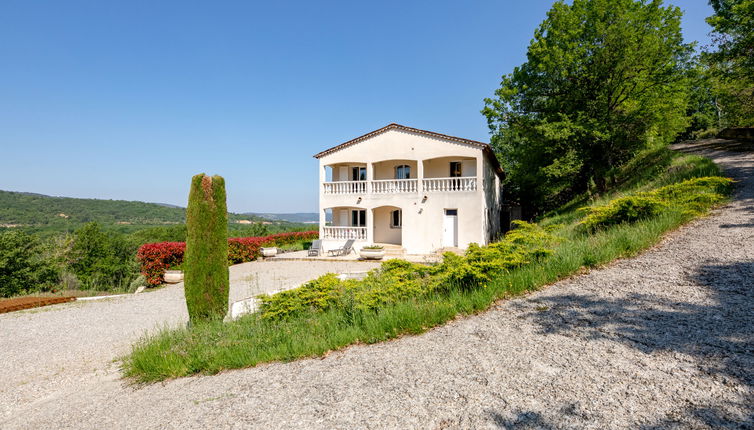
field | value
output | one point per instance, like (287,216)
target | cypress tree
(205,262)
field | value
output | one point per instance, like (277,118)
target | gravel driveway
(665,340)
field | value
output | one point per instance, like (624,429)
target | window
(359,218)
(451,212)
(359,174)
(396,219)
(403,172)
(455,169)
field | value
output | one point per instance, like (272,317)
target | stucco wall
(386,169)
(440,167)
(383,233)
(422,230)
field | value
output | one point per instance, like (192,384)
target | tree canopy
(730,61)
(603,79)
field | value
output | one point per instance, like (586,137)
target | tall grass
(251,340)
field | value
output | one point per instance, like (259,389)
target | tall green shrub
(205,262)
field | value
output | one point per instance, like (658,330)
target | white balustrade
(345,233)
(387,186)
(345,187)
(432,185)
(390,186)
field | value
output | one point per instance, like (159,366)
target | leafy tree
(205,262)
(602,80)
(21,268)
(731,64)
(102,260)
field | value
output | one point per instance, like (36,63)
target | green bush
(399,280)
(622,210)
(102,260)
(205,261)
(692,197)
(22,268)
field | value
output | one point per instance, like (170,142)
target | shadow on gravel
(719,335)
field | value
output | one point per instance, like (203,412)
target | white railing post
(464,183)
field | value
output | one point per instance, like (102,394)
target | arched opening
(388,225)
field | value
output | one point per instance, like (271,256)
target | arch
(385,228)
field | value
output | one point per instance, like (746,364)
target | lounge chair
(345,250)
(315,249)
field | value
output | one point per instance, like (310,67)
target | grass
(252,340)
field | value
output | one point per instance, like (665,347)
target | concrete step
(393,250)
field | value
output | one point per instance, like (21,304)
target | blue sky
(127,100)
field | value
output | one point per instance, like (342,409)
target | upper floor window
(359,174)
(455,169)
(403,172)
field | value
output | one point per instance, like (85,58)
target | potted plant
(372,252)
(173,276)
(269,252)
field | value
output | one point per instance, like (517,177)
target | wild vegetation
(403,298)
(595,91)
(45,214)
(93,246)
(727,67)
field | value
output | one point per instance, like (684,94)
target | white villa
(411,188)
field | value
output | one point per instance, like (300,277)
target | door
(450,228)
(343,218)
(343,173)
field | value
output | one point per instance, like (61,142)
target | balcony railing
(392,186)
(389,186)
(345,187)
(433,185)
(345,233)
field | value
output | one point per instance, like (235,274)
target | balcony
(396,186)
(345,187)
(443,185)
(344,233)
(390,186)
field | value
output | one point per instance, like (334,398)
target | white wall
(422,218)
(383,233)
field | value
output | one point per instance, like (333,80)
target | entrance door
(450,228)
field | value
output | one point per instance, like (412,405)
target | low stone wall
(737,133)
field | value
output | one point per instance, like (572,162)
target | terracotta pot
(173,276)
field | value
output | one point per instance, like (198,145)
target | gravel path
(665,340)
(53,353)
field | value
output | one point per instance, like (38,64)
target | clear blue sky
(127,100)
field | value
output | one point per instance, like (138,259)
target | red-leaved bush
(156,258)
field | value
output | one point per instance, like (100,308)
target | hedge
(156,258)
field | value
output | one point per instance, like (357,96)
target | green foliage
(594,91)
(22,268)
(205,262)
(690,197)
(102,260)
(623,209)
(730,65)
(398,280)
(144,222)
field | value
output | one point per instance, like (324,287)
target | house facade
(413,188)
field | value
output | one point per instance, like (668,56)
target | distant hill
(302,217)
(39,210)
